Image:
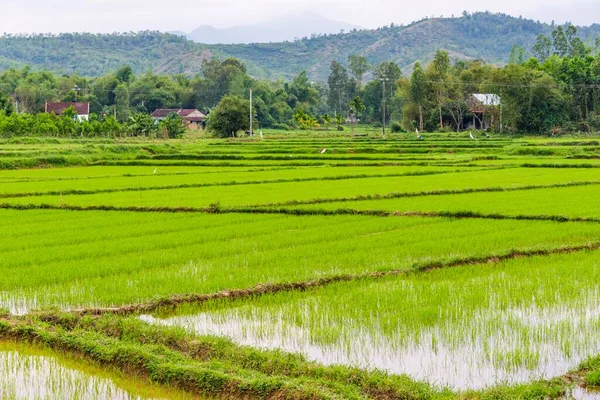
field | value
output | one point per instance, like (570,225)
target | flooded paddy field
(466,328)
(377,269)
(31,372)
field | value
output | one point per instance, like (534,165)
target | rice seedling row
(568,202)
(469,327)
(201,179)
(330,191)
(87,259)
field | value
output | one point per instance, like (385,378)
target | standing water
(28,373)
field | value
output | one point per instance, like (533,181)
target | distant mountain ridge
(277,30)
(484,36)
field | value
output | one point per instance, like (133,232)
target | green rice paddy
(300,267)
(71,259)
(468,327)
(28,372)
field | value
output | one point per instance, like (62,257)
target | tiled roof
(59,107)
(195,119)
(183,113)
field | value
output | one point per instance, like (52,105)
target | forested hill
(96,54)
(480,35)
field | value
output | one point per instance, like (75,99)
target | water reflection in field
(497,346)
(34,374)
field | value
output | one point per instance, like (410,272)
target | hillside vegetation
(480,35)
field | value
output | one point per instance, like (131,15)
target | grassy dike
(218,368)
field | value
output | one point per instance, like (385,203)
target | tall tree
(125,74)
(517,55)
(437,73)
(387,69)
(560,42)
(358,66)
(122,102)
(6,105)
(418,91)
(303,92)
(374,93)
(571,33)
(338,87)
(220,78)
(542,48)
(230,116)
(577,48)
(457,98)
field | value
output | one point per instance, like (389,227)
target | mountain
(278,30)
(89,54)
(484,36)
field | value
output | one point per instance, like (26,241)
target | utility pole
(383,80)
(76,89)
(251,114)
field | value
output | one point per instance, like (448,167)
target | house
(192,117)
(81,108)
(485,105)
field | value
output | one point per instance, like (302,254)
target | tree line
(555,90)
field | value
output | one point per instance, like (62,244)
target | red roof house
(191,116)
(82,108)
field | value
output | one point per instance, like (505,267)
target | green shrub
(593,378)
(445,129)
(283,127)
(397,128)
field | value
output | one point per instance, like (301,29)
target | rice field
(34,373)
(300,267)
(69,259)
(267,193)
(517,321)
(572,201)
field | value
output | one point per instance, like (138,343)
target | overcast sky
(185,15)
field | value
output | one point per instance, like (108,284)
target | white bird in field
(155,169)
(471,135)
(323,151)
(261,135)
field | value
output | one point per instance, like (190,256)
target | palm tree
(142,124)
(326,120)
(356,108)
(339,120)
